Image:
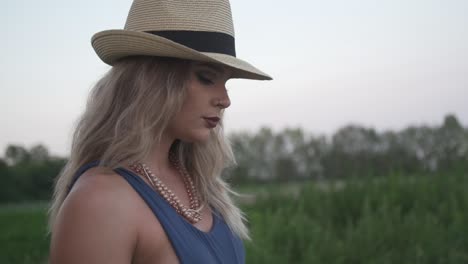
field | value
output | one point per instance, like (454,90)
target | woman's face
(206,97)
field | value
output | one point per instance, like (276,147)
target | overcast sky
(383,64)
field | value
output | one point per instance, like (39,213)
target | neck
(159,157)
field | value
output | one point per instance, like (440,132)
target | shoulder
(98,220)
(100,191)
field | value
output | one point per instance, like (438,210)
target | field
(22,234)
(394,219)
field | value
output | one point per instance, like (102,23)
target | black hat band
(202,41)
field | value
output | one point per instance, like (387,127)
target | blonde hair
(127,111)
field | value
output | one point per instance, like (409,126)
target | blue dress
(191,245)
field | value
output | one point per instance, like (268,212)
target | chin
(199,137)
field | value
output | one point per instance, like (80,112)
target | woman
(143,181)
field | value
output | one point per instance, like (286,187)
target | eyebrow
(212,66)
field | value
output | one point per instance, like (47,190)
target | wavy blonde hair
(127,111)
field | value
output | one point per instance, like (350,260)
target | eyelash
(203,79)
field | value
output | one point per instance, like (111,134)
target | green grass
(398,219)
(23,234)
(391,220)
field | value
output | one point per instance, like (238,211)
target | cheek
(187,119)
(195,105)
(198,96)
(189,127)
(187,113)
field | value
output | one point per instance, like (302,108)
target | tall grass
(23,234)
(397,219)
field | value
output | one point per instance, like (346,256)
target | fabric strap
(202,41)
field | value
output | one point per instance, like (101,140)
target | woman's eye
(203,79)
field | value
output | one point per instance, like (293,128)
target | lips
(211,122)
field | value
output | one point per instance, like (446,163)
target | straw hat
(185,29)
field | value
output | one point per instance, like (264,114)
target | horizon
(306,134)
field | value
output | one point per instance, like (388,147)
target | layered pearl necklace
(192,214)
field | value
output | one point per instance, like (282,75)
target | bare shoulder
(98,221)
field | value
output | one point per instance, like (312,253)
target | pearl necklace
(192,214)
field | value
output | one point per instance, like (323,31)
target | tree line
(28,174)
(287,155)
(353,151)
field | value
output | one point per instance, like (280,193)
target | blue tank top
(191,245)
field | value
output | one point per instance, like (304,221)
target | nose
(222,101)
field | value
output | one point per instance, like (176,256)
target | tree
(451,143)
(7,188)
(15,154)
(39,153)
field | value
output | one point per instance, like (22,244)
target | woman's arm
(95,224)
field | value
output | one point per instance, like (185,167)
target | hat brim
(112,45)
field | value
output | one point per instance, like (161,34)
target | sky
(381,64)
